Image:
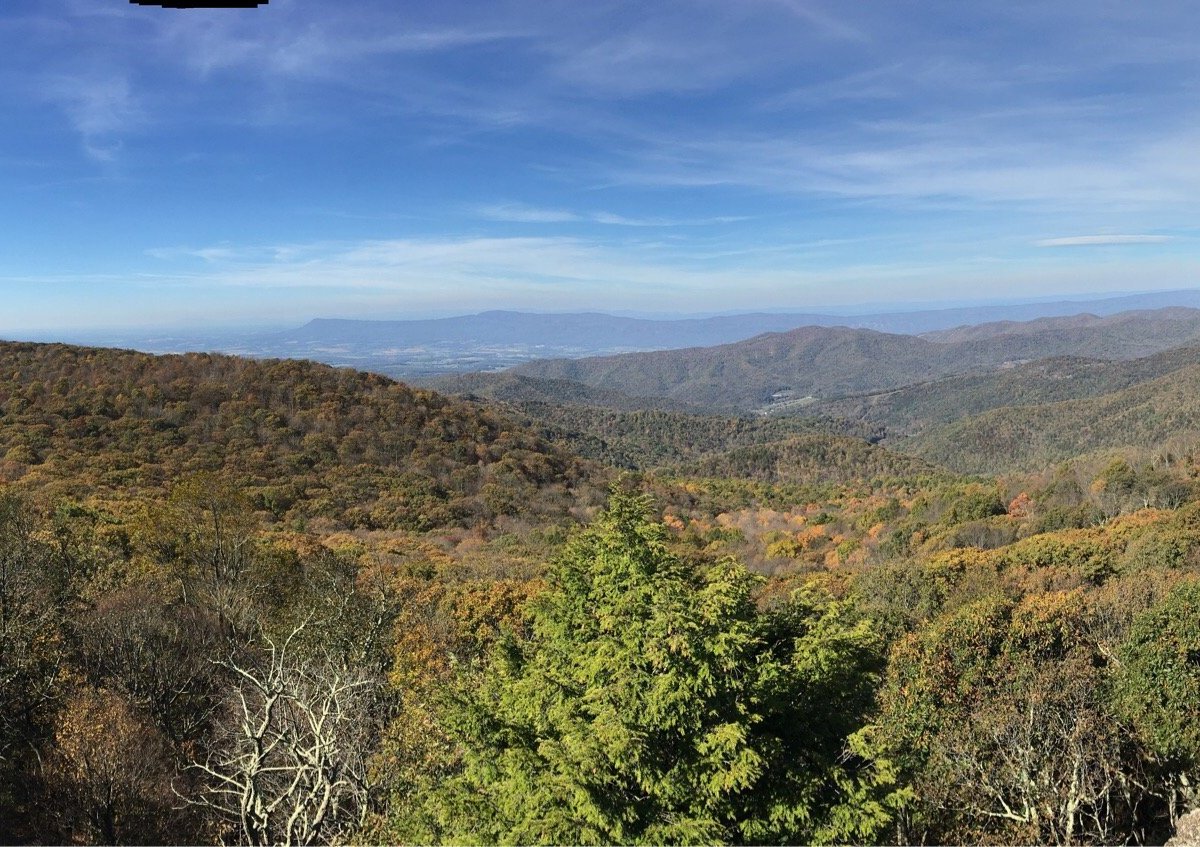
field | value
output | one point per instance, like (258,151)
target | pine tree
(653,704)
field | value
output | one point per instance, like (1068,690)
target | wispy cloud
(827,23)
(298,47)
(100,107)
(521,213)
(566,266)
(207,254)
(982,163)
(568,269)
(621,220)
(1101,240)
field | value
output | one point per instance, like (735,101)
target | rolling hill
(820,361)
(306,441)
(1158,415)
(909,410)
(781,371)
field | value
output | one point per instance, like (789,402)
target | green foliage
(997,715)
(901,596)
(1144,415)
(1157,687)
(654,704)
(811,459)
(976,503)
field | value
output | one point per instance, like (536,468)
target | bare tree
(1043,764)
(289,767)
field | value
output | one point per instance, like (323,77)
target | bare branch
(292,766)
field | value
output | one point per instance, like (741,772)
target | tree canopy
(654,703)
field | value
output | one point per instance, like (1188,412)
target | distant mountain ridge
(1171,319)
(584,330)
(494,340)
(812,364)
(601,330)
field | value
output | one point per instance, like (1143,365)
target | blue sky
(389,159)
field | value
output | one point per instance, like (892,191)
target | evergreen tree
(653,704)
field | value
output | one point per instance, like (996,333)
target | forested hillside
(648,439)
(908,410)
(823,363)
(510,387)
(808,459)
(1160,416)
(274,602)
(303,440)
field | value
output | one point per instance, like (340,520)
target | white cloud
(521,213)
(207,254)
(100,107)
(575,273)
(812,13)
(1097,240)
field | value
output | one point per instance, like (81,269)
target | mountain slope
(305,440)
(652,438)
(908,410)
(822,363)
(809,459)
(818,361)
(1160,414)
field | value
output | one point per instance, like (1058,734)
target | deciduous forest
(276,602)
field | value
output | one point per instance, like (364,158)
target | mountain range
(490,341)
(998,397)
(778,371)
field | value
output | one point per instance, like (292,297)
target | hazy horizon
(238,329)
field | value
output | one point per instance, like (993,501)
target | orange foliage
(1020,506)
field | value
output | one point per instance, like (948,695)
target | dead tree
(290,765)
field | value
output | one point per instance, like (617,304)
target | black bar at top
(202,4)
